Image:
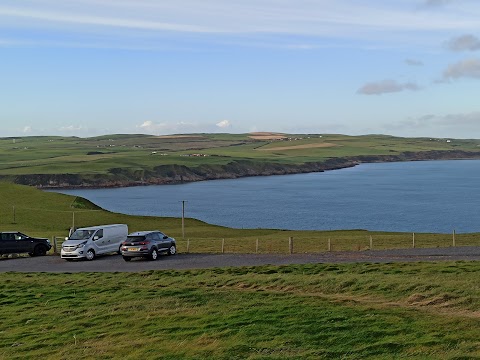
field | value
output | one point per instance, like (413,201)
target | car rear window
(135,238)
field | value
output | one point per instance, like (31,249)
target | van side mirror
(95,238)
(66,238)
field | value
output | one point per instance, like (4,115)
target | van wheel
(153,254)
(39,250)
(90,255)
(119,252)
(172,250)
(127,258)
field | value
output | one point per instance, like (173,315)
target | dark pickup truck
(12,242)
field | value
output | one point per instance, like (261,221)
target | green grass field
(355,311)
(141,156)
(322,311)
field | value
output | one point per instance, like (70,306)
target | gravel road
(115,263)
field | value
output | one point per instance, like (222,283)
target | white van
(95,240)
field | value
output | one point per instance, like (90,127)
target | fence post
(371,242)
(256,247)
(54,241)
(413,240)
(453,238)
(188,246)
(223,246)
(329,245)
(290,244)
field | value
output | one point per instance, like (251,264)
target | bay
(426,196)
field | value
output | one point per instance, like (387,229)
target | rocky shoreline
(177,174)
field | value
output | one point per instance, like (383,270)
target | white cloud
(70,128)
(436,3)
(147,124)
(460,125)
(468,68)
(165,128)
(386,86)
(413,62)
(144,18)
(27,129)
(224,124)
(464,43)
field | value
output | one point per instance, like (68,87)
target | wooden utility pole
(183,219)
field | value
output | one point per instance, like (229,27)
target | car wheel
(39,250)
(172,250)
(127,258)
(153,254)
(90,255)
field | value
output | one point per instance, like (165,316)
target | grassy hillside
(141,158)
(357,311)
(47,214)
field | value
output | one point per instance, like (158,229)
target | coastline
(179,174)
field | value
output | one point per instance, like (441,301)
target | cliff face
(174,174)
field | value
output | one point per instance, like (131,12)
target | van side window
(99,233)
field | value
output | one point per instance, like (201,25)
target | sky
(93,67)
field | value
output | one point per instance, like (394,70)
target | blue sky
(92,67)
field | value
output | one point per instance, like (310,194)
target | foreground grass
(348,311)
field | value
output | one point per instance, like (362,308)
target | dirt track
(115,263)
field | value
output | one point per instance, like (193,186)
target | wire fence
(312,245)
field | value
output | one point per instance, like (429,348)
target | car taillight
(144,243)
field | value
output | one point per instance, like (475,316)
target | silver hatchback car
(147,244)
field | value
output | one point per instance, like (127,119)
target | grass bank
(348,311)
(45,214)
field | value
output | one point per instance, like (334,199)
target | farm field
(119,160)
(329,311)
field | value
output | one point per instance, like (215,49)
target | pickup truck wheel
(153,254)
(172,250)
(90,255)
(39,250)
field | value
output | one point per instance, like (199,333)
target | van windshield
(82,235)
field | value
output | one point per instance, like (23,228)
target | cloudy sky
(91,67)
